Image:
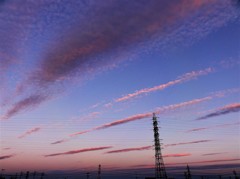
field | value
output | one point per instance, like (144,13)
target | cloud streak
(71,152)
(29,102)
(90,116)
(99,35)
(144,115)
(177,155)
(184,78)
(212,127)
(231,108)
(59,141)
(130,149)
(187,143)
(217,153)
(6,157)
(110,32)
(208,161)
(29,132)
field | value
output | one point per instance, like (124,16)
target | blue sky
(81,79)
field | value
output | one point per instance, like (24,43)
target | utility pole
(99,172)
(189,176)
(2,170)
(42,174)
(20,176)
(27,175)
(87,175)
(160,172)
(235,174)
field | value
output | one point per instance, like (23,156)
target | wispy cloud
(183,104)
(197,129)
(186,77)
(130,149)
(217,153)
(61,56)
(229,63)
(223,93)
(231,108)
(90,116)
(81,132)
(29,132)
(187,143)
(59,141)
(78,151)
(29,102)
(208,161)
(212,127)
(6,157)
(145,115)
(115,123)
(177,155)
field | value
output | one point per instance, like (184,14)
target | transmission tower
(160,172)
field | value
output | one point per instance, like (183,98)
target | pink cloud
(183,104)
(177,155)
(6,157)
(222,111)
(218,153)
(90,116)
(81,132)
(29,132)
(95,106)
(159,110)
(108,105)
(64,56)
(212,127)
(130,149)
(59,141)
(74,56)
(186,77)
(187,143)
(144,115)
(197,129)
(115,123)
(228,125)
(78,151)
(207,161)
(29,102)
(226,92)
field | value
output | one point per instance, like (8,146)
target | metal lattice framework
(160,172)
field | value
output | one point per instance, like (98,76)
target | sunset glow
(80,81)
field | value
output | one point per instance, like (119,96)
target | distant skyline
(80,81)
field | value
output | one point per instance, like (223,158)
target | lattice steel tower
(160,172)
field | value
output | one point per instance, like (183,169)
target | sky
(80,81)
